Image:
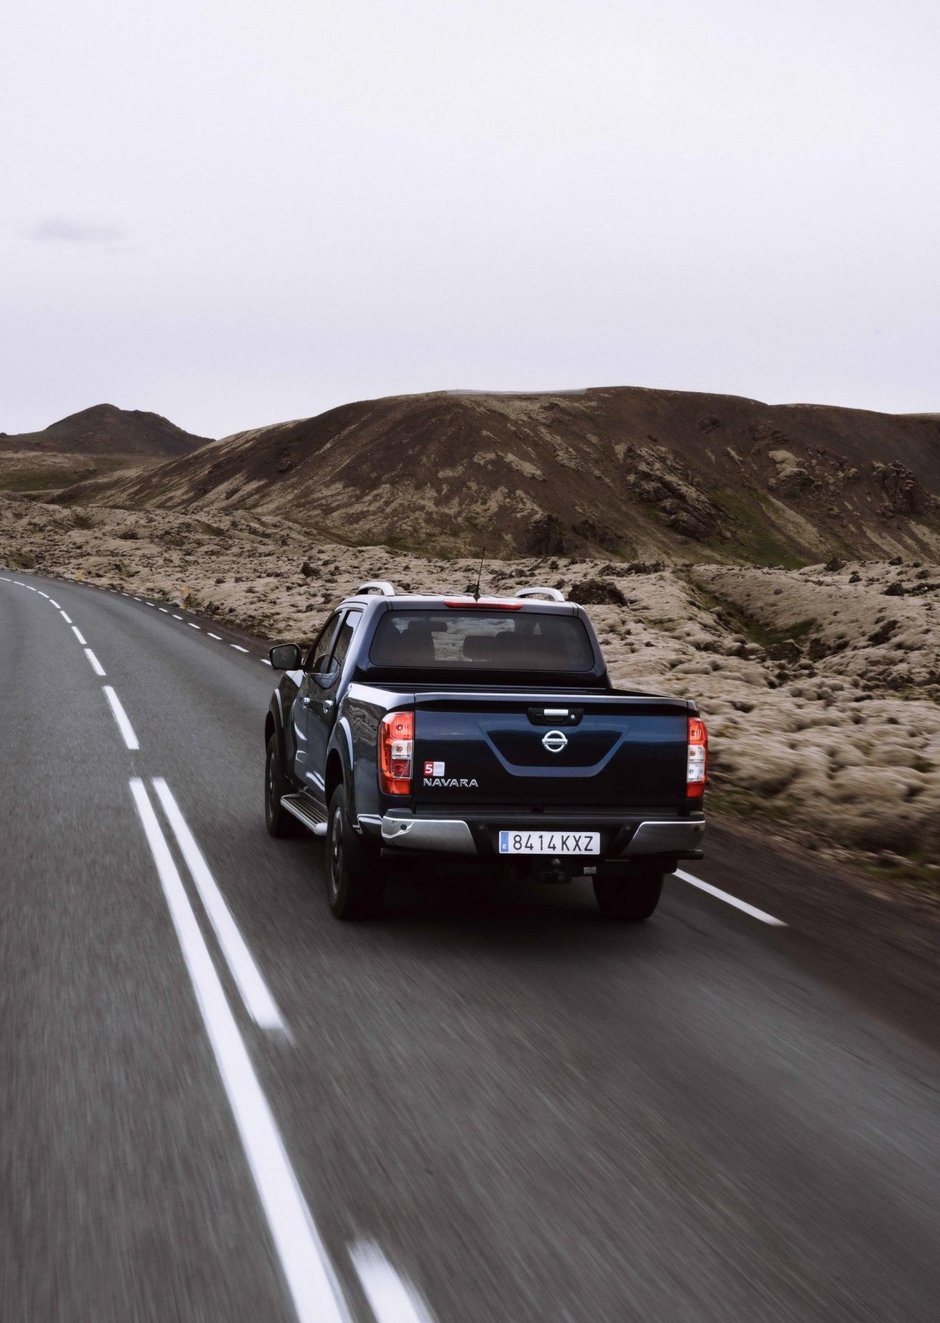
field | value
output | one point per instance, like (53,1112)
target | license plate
(549,842)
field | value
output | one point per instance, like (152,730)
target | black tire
(355,874)
(277,820)
(631,896)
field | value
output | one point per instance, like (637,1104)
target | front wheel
(355,875)
(628,896)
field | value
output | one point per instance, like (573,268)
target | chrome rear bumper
(670,836)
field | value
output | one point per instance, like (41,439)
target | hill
(105,430)
(88,445)
(621,472)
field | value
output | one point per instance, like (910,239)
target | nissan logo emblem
(554,741)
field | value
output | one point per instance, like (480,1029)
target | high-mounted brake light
(396,752)
(466,604)
(696,774)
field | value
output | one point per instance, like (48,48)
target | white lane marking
(163,609)
(238,647)
(176,617)
(192,625)
(55,604)
(217,637)
(78,634)
(120,716)
(313,1286)
(256,995)
(42,594)
(755,913)
(124,594)
(95,663)
(265,662)
(136,599)
(30,587)
(65,617)
(149,604)
(18,584)
(391,1298)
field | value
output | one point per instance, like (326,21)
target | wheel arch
(335,775)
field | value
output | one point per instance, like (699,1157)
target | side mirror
(286,657)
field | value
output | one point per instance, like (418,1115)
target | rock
(788,650)
(597,592)
(547,537)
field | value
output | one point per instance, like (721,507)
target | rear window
(482,640)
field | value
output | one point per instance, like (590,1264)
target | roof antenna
(476,591)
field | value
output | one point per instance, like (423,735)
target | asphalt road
(219,1103)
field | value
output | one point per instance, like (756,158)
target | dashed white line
(67,618)
(391,1298)
(120,716)
(149,604)
(265,662)
(54,603)
(238,647)
(163,609)
(30,587)
(18,584)
(176,617)
(136,599)
(256,995)
(217,637)
(193,625)
(95,663)
(752,910)
(314,1289)
(78,634)
(42,594)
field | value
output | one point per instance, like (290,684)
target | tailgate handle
(555,716)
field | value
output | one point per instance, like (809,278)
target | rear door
(533,751)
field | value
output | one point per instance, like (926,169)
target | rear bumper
(622,837)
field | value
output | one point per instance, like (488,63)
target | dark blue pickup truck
(483,730)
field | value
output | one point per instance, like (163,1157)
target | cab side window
(343,639)
(318,656)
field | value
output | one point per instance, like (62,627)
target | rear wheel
(355,875)
(631,896)
(277,820)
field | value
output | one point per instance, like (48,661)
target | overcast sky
(233,211)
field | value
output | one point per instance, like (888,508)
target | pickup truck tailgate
(560,751)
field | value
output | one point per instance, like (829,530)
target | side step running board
(304,810)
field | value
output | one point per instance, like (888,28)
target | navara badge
(554,741)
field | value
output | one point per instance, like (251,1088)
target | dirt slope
(620,472)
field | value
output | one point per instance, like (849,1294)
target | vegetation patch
(755,535)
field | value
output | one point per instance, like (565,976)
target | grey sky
(233,212)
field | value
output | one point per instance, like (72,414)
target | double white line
(314,1289)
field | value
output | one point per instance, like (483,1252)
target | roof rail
(381,586)
(553,594)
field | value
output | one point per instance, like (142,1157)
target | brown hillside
(106,431)
(622,472)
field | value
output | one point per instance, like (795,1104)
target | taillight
(396,752)
(697,763)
